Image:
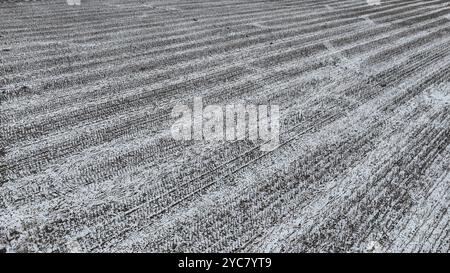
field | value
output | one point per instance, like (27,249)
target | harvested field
(89,164)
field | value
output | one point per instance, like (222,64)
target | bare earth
(88,164)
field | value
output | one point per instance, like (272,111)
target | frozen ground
(88,164)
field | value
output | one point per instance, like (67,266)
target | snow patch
(368,20)
(374,2)
(74,2)
(440,94)
(374,247)
(74,247)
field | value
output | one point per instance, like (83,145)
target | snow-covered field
(88,164)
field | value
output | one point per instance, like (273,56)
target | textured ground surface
(88,164)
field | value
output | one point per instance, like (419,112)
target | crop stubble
(87,162)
